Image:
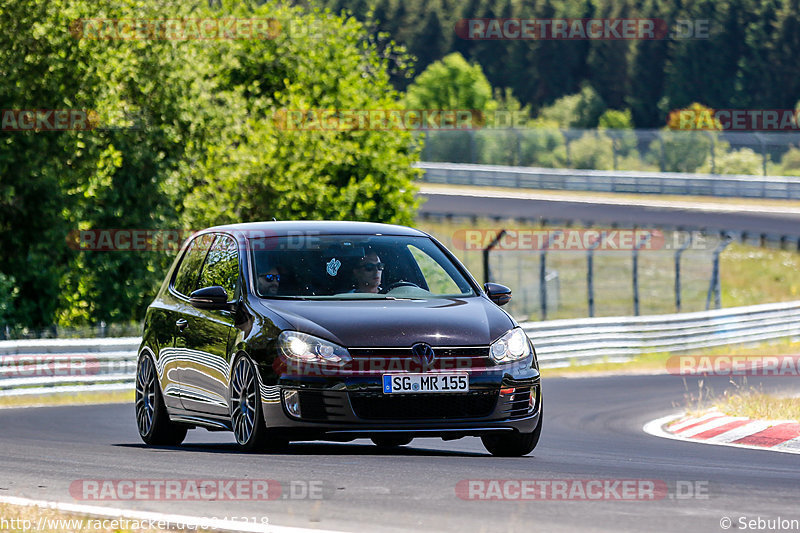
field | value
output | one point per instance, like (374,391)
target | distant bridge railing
(618,181)
(29,367)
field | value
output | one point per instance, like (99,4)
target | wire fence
(679,272)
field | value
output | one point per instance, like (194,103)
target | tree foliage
(186,138)
(747,58)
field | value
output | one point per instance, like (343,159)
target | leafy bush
(790,163)
(451,83)
(683,151)
(592,151)
(743,161)
(580,110)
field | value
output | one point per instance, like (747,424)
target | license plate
(410,383)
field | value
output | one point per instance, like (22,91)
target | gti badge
(423,354)
(333,266)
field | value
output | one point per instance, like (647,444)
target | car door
(171,318)
(204,336)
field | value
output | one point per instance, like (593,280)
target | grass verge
(756,404)
(81,398)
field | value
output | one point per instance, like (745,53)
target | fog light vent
(291,399)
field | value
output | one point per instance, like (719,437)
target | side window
(438,280)
(222,266)
(189,269)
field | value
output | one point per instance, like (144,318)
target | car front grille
(379,406)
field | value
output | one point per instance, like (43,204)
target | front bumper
(344,408)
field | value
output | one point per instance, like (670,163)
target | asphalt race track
(600,213)
(593,430)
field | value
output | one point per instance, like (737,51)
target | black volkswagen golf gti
(282,331)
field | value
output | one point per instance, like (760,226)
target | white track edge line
(655,428)
(185,520)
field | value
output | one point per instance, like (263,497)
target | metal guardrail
(74,365)
(42,366)
(743,186)
(591,339)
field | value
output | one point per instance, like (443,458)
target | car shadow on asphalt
(313,448)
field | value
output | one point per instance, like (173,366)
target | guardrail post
(543,275)
(635,276)
(678,254)
(486,274)
(590,272)
(714,285)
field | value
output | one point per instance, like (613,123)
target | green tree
(263,167)
(451,83)
(580,110)
(177,122)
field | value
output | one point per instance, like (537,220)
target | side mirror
(499,294)
(213,297)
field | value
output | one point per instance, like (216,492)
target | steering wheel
(401,283)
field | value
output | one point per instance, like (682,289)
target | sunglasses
(372,267)
(271,277)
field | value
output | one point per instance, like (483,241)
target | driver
(269,283)
(367,273)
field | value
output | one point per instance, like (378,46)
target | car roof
(321,227)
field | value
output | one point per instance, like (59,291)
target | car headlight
(512,346)
(306,348)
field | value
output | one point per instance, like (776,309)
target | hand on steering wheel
(401,283)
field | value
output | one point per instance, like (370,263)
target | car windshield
(354,267)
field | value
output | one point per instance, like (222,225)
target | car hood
(473,321)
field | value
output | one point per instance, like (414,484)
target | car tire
(391,440)
(152,419)
(514,444)
(247,416)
